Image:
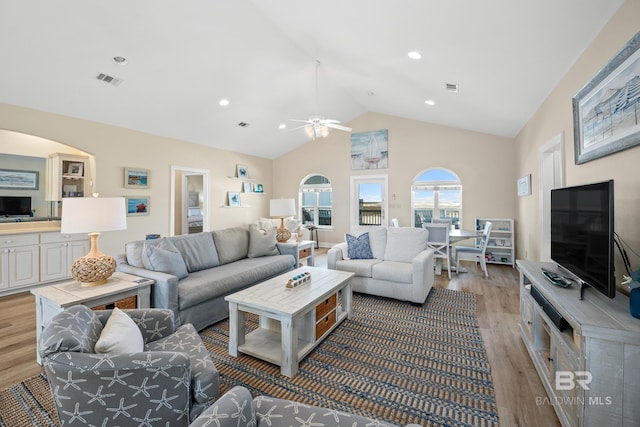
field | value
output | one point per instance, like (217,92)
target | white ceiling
(184,56)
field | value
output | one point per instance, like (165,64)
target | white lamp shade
(282,207)
(93,214)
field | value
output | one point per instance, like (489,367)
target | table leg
(236,329)
(311,255)
(346,299)
(289,351)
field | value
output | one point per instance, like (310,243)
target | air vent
(109,79)
(243,124)
(451,87)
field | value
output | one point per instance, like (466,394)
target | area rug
(393,361)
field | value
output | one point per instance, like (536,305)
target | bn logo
(566,380)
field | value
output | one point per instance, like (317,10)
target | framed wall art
(137,205)
(75,169)
(606,111)
(242,171)
(234,199)
(19,180)
(136,178)
(524,186)
(370,150)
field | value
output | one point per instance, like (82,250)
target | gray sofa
(399,264)
(236,409)
(194,272)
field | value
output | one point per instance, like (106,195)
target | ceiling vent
(243,124)
(451,87)
(109,79)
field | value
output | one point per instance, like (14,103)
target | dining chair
(438,240)
(448,221)
(395,223)
(475,253)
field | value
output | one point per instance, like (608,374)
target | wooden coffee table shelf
(293,321)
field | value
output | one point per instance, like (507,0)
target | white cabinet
(589,369)
(18,261)
(500,249)
(29,259)
(57,253)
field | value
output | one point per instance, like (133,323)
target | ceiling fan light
(324,131)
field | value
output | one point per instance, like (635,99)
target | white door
(369,201)
(551,176)
(180,198)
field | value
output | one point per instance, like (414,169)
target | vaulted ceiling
(183,57)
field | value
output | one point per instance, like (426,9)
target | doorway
(189,200)
(551,159)
(369,201)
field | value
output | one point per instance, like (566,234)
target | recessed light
(223,102)
(120,60)
(430,102)
(414,54)
(282,126)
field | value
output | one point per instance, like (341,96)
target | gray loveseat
(237,409)
(194,272)
(399,264)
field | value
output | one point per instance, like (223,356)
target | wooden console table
(591,369)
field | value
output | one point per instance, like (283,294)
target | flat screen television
(582,234)
(15,205)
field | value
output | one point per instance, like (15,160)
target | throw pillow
(359,247)
(262,242)
(404,243)
(120,335)
(164,257)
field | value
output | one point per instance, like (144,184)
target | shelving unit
(67,176)
(501,247)
(243,180)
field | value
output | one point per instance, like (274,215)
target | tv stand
(591,368)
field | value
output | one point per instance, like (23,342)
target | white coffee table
(293,321)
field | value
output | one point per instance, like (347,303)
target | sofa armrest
(234,405)
(164,293)
(335,254)
(422,274)
(289,249)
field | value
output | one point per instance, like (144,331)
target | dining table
(455,236)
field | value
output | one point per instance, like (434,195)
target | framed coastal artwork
(605,111)
(369,150)
(136,178)
(137,205)
(242,171)
(234,199)
(11,179)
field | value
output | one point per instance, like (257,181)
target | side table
(305,250)
(121,290)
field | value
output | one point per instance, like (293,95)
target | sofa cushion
(393,271)
(262,242)
(361,267)
(232,244)
(404,243)
(205,285)
(164,256)
(133,251)
(198,250)
(378,242)
(120,335)
(358,247)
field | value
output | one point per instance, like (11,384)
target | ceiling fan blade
(339,127)
(296,128)
(325,121)
(302,121)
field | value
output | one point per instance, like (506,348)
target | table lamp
(92,215)
(281,208)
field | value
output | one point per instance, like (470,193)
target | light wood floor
(515,380)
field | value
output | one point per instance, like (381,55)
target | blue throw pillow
(359,247)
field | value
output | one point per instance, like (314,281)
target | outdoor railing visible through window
(370,214)
(424,216)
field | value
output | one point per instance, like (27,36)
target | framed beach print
(75,169)
(259,188)
(243,171)
(605,111)
(234,199)
(136,178)
(11,179)
(137,205)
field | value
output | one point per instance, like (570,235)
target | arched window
(316,201)
(436,193)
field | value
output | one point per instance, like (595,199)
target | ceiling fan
(316,126)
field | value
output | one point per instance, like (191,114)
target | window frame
(435,186)
(317,189)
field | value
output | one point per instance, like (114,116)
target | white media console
(591,369)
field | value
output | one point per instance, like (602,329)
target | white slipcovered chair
(475,253)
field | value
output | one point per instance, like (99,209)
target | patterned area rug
(392,361)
